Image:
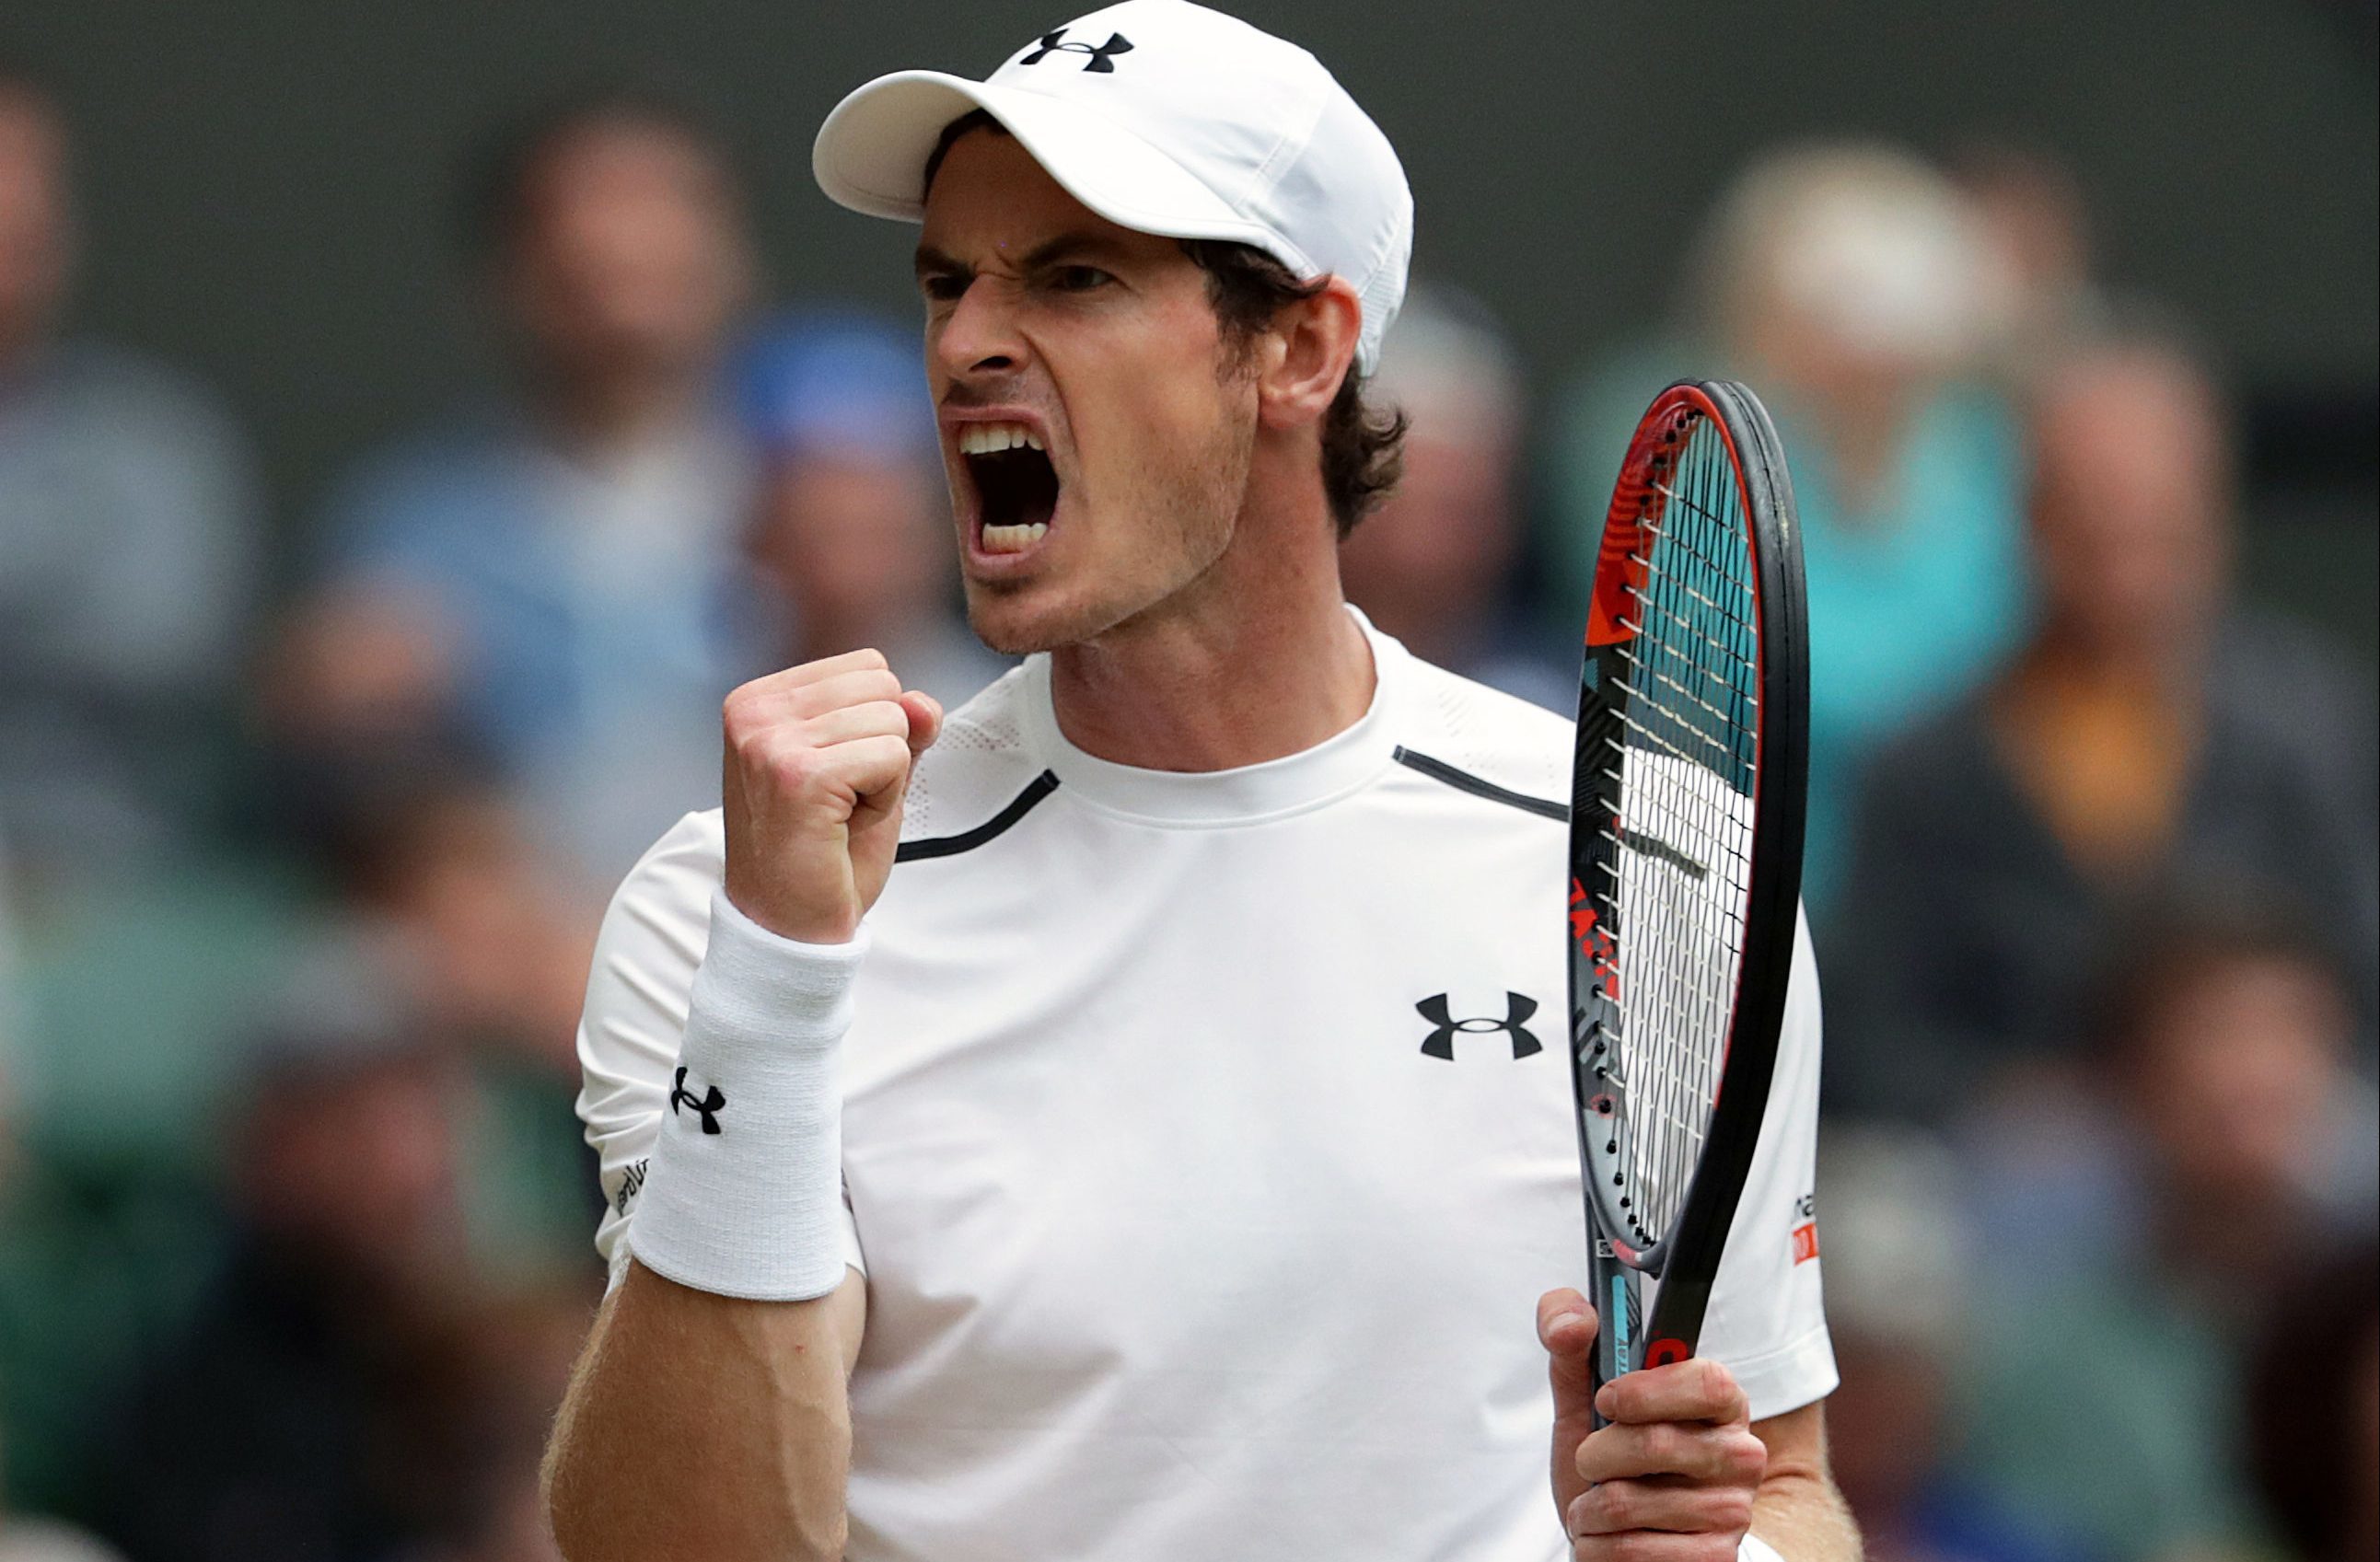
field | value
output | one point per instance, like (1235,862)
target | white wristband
(745,1194)
(1751,1548)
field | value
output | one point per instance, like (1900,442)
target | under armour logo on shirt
(711,1100)
(1440,1043)
(1117,43)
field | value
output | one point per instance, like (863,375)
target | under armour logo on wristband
(1440,1043)
(1117,43)
(711,1100)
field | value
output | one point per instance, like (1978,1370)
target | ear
(1313,349)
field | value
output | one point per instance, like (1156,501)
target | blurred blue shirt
(597,613)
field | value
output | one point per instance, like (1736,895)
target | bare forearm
(1797,1509)
(1801,1514)
(700,1425)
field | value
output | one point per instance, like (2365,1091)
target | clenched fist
(818,761)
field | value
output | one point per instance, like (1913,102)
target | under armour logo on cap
(1117,43)
(707,1107)
(1440,1043)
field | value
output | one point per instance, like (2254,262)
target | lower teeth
(1011,540)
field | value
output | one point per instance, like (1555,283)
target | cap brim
(870,155)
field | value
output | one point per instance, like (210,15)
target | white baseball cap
(1166,118)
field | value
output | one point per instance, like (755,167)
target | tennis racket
(1687,796)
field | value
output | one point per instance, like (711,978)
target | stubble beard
(1182,515)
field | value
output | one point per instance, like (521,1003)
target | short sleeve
(638,994)
(1767,1319)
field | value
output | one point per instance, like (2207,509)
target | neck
(601,412)
(1257,661)
(2162,668)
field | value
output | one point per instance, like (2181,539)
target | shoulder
(978,767)
(1484,734)
(456,476)
(126,391)
(2287,685)
(660,914)
(1949,751)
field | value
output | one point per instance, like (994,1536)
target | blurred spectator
(499,954)
(2151,734)
(1433,565)
(1902,1269)
(523,1351)
(314,1411)
(2314,1409)
(2035,232)
(127,555)
(553,585)
(853,531)
(1846,285)
(2114,1401)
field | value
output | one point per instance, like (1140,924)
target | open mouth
(1015,481)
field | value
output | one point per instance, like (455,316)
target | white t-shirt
(1208,1141)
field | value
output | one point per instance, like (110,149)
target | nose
(980,336)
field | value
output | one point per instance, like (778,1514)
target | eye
(1078,279)
(942,287)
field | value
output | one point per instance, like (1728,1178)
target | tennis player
(1127,1120)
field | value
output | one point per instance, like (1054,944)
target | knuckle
(1615,1504)
(784,756)
(1747,1458)
(1664,1445)
(797,771)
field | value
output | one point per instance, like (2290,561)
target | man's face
(1428,566)
(852,540)
(630,254)
(2267,1039)
(2128,505)
(1047,323)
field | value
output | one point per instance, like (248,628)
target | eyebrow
(1049,251)
(934,263)
(931,262)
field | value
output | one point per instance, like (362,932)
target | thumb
(1566,1328)
(924,713)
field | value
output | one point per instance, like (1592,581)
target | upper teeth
(989,438)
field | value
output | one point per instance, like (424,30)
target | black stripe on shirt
(967,841)
(1464,781)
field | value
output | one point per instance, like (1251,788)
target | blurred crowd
(301,859)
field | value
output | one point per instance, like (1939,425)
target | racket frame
(1685,1259)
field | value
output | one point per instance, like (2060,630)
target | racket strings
(1681,833)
